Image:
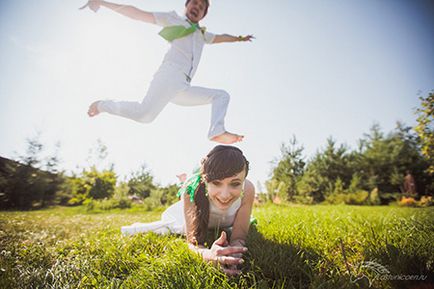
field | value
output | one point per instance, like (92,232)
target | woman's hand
(93,5)
(223,254)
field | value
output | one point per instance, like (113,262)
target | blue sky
(317,69)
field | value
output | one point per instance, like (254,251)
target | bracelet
(240,37)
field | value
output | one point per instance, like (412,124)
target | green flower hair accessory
(190,185)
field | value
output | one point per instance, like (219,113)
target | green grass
(291,247)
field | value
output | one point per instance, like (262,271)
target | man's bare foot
(93,109)
(228,138)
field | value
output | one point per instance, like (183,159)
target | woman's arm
(241,225)
(126,10)
(230,38)
(219,253)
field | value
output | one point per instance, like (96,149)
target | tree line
(33,182)
(383,168)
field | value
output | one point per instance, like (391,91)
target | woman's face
(222,193)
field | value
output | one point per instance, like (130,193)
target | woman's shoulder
(249,191)
(249,187)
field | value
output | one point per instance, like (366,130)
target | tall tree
(289,167)
(386,158)
(425,129)
(324,169)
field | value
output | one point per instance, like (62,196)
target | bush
(89,185)
(374,197)
(169,194)
(109,204)
(387,198)
(358,198)
(426,201)
(89,204)
(102,184)
(154,200)
(336,199)
(305,200)
(106,204)
(407,201)
(118,201)
(141,183)
(124,203)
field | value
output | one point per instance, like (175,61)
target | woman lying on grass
(223,198)
(217,196)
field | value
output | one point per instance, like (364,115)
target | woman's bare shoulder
(249,191)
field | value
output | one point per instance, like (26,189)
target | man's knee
(223,94)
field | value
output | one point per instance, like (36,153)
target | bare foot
(182,177)
(93,109)
(227,138)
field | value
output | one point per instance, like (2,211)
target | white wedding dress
(173,220)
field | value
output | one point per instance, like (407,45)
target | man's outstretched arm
(230,38)
(126,10)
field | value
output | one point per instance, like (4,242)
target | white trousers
(170,85)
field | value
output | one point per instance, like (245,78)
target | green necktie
(171,33)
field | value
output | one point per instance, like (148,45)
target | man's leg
(219,99)
(162,88)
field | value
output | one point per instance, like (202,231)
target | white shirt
(184,52)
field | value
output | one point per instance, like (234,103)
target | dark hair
(220,163)
(206,8)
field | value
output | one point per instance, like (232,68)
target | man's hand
(246,38)
(93,5)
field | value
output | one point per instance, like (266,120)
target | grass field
(291,247)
